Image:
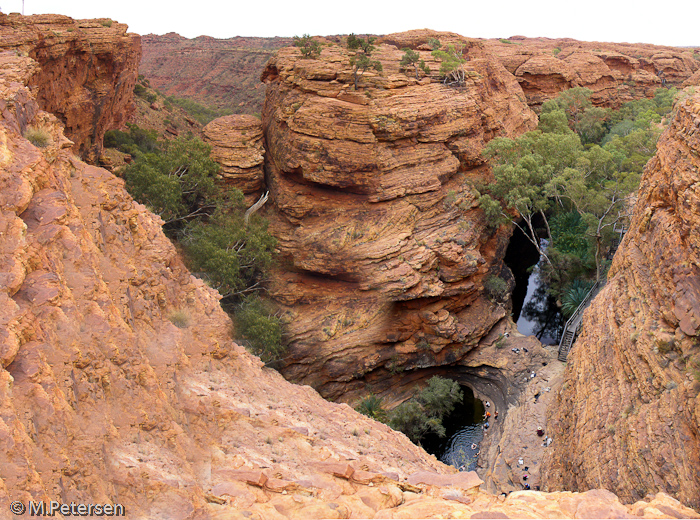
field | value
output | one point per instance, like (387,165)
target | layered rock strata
(236,143)
(384,248)
(86,75)
(120,383)
(223,73)
(629,414)
(614,72)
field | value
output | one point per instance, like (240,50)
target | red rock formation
(120,384)
(385,248)
(87,72)
(237,146)
(615,72)
(218,72)
(628,417)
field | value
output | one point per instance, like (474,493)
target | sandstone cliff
(628,417)
(223,73)
(615,72)
(383,247)
(237,146)
(120,384)
(87,72)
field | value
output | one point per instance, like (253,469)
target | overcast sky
(659,22)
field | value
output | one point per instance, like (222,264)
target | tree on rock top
(362,59)
(309,47)
(412,59)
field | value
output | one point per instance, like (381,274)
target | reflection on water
(540,316)
(463,429)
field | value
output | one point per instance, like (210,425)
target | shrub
(574,296)
(106,23)
(309,47)
(180,318)
(260,328)
(179,183)
(234,257)
(38,137)
(496,287)
(371,406)
(424,412)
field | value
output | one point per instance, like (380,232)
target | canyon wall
(223,73)
(614,72)
(119,382)
(86,74)
(383,248)
(629,414)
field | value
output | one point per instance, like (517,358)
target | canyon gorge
(383,260)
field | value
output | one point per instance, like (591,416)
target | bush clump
(259,328)
(424,412)
(38,137)
(496,287)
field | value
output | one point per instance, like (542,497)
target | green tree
(574,102)
(233,256)
(260,329)
(424,412)
(412,59)
(178,184)
(361,60)
(371,406)
(452,60)
(523,170)
(309,47)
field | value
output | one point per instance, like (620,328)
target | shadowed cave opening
(463,434)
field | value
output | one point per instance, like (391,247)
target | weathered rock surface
(224,73)
(615,72)
(103,399)
(628,416)
(236,142)
(384,247)
(87,72)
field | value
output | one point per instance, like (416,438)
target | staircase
(573,326)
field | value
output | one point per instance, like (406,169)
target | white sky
(659,22)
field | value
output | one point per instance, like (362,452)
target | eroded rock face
(216,72)
(628,417)
(384,247)
(615,72)
(86,75)
(236,143)
(119,382)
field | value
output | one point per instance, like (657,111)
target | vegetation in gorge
(570,182)
(177,181)
(421,414)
